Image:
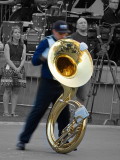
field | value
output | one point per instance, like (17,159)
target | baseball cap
(61,26)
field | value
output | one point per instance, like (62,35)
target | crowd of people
(13,73)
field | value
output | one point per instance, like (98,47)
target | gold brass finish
(66,63)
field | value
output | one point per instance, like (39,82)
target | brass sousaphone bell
(72,68)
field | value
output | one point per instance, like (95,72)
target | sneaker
(75,149)
(14,115)
(20,146)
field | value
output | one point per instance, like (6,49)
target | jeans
(82,92)
(48,92)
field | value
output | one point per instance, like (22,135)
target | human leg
(82,93)
(6,99)
(63,119)
(42,102)
(14,98)
(31,124)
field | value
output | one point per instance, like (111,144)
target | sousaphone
(73,68)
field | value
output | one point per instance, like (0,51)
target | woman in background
(13,76)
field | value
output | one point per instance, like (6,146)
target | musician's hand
(45,53)
(83,46)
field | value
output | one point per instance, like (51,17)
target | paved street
(100,143)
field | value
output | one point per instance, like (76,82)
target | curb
(44,124)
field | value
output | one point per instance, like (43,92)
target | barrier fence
(26,95)
(106,100)
(104,96)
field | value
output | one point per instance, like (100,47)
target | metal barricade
(103,95)
(26,95)
(104,103)
(2,62)
(115,100)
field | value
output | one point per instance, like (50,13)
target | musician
(112,16)
(49,89)
(56,9)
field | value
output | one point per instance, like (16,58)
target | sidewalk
(22,111)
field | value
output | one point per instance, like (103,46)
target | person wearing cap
(49,89)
